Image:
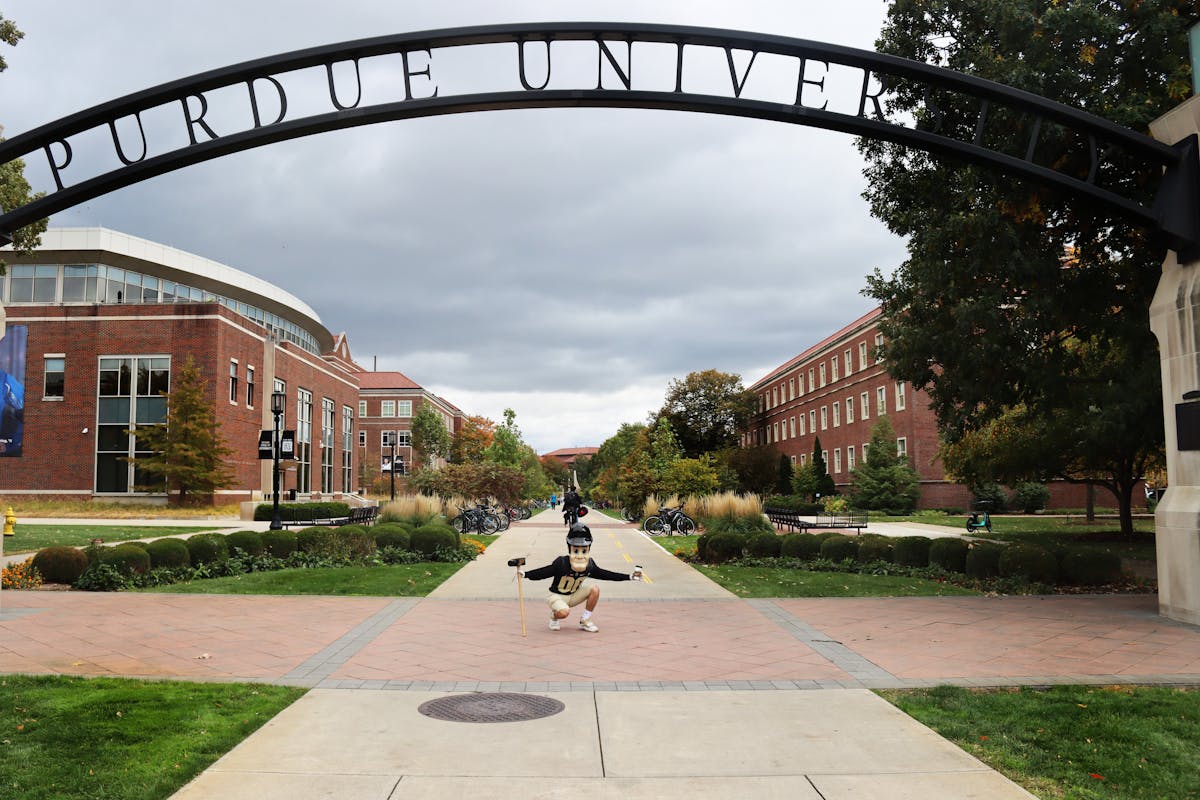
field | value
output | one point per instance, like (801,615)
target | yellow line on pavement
(627,558)
(620,545)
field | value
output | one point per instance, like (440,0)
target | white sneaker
(554,625)
(588,625)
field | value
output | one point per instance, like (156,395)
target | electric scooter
(975,521)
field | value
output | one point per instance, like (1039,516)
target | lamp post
(393,467)
(278,399)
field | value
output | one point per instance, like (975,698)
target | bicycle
(670,521)
(476,520)
(975,522)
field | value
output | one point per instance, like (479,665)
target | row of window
(388,408)
(788,429)
(50,284)
(818,376)
(836,464)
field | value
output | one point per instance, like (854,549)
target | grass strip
(115,739)
(398,580)
(783,582)
(1077,742)
(29,538)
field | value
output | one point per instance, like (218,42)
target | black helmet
(579,535)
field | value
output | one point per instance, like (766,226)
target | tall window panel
(304,410)
(129,393)
(327,422)
(347,449)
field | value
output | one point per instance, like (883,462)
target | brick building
(836,390)
(387,402)
(98,323)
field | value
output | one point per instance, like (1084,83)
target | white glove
(520,572)
(636,575)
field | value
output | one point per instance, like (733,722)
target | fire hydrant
(10,519)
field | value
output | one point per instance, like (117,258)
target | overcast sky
(566,263)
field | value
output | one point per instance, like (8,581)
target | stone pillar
(1175,320)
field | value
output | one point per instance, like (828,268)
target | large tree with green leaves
(1010,291)
(186,455)
(14,189)
(884,480)
(430,437)
(708,410)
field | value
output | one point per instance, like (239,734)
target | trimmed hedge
(763,545)
(913,551)
(724,547)
(949,553)
(249,542)
(289,512)
(1091,567)
(800,545)
(983,560)
(168,553)
(128,558)
(207,548)
(1030,562)
(315,539)
(839,547)
(279,544)
(60,564)
(875,548)
(392,534)
(428,539)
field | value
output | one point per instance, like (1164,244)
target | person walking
(571,503)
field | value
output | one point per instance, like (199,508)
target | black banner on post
(265,450)
(287,445)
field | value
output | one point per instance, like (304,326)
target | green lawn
(1058,531)
(1077,742)
(782,582)
(31,537)
(400,580)
(115,739)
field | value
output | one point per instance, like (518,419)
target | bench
(307,517)
(848,519)
(781,518)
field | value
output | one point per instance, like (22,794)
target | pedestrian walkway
(685,691)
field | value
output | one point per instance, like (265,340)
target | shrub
(353,542)
(839,548)
(292,511)
(249,542)
(1030,562)
(993,495)
(702,546)
(913,551)
(1091,567)
(60,564)
(392,534)
(949,553)
(983,560)
(875,548)
(21,575)
(1030,497)
(168,553)
(724,547)
(800,545)
(207,548)
(428,539)
(280,544)
(127,558)
(316,539)
(763,545)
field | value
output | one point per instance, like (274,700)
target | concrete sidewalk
(685,691)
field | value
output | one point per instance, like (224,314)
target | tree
(430,438)
(784,484)
(691,477)
(756,467)
(884,480)
(976,315)
(471,440)
(664,451)
(14,189)
(186,454)
(823,481)
(707,410)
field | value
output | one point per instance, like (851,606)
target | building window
(902,447)
(849,410)
(130,392)
(362,438)
(837,415)
(824,417)
(774,396)
(233,381)
(792,425)
(878,347)
(821,371)
(55,382)
(825,458)
(404,439)
(837,460)
(347,449)
(776,431)
(791,388)
(862,355)
(812,421)
(387,408)
(880,401)
(900,396)
(249,387)
(811,385)
(850,458)
(802,431)
(387,439)
(328,420)
(793,461)
(803,459)
(405,408)
(833,368)
(32,284)
(849,363)
(362,408)
(865,407)
(304,412)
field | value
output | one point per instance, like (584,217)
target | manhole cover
(491,707)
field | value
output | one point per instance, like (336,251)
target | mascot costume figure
(569,585)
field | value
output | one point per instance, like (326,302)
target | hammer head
(516,562)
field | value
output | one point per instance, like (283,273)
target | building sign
(12,390)
(287,445)
(265,448)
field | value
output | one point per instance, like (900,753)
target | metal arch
(1174,214)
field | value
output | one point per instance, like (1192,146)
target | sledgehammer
(518,563)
